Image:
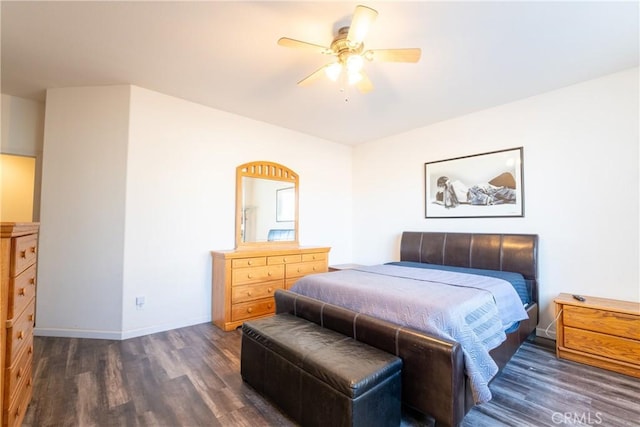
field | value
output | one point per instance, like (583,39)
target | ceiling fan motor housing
(343,48)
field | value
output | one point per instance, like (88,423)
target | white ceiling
(475,55)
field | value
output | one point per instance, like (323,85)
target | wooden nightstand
(600,332)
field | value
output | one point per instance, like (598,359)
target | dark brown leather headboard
(506,252)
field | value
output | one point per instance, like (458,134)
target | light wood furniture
(243,281)
(19,267)
(599,332)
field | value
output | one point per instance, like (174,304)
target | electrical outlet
(140,302)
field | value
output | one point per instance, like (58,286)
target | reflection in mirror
(266,205)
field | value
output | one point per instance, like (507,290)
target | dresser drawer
(24,253)
(303,268)
(22,289)
(609,322)
(609,346)
(243,276)
(320,256)
(248,262)
(15,412)
(18,372)
(247,310)
(19,333)
(253,292)
(284,259)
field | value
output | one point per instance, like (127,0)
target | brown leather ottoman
(319,377)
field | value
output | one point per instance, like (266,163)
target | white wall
(80,262)
(164,171)
(580,182)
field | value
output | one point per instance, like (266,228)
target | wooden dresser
(19,256)
(244,280)
(599,332)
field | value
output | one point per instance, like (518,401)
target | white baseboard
(132,333)
(77,333)
(116,335)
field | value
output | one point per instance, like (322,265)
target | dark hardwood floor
(190,377)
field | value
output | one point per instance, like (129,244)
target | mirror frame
(265,170)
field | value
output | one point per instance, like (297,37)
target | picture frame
(285,204)
(486,185)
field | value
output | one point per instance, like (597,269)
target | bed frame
(433,379)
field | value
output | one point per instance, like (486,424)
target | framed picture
(480,185)
(285,204)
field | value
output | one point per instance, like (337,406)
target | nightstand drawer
(609,346)
(609,322)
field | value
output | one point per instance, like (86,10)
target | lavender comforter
(470,309)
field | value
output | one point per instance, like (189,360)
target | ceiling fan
(348,48)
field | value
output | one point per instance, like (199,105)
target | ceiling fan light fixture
(354,63)
(333,71)
(354,77)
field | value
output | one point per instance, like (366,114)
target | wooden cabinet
(599,332)
(244,281)
(19,271)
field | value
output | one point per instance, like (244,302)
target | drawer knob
(249,293)
(269,306)
(284,260)
(249,276)
(32,281)
(298,269)
(30,317)
(270,290)
(19,373)
(314,268)
(21,292)
(313,257)
(249,310)
(20,335)
(269,274)
(23,254)
(33,249)
(249,262)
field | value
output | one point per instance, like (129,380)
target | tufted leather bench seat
(320,377)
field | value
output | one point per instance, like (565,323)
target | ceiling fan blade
(394,55)
(364,85)
(287,42)
(313,76)
(363,17)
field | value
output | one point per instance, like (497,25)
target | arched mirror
(266,205)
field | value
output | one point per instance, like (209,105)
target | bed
(454,372)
